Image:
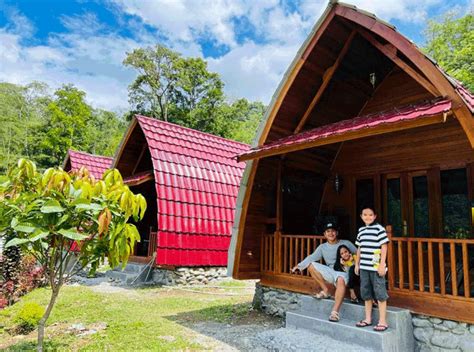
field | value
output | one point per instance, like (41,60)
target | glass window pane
(365,196)
(421,206)
(456,205)
(394,206)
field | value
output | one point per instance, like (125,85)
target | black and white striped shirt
(370,240)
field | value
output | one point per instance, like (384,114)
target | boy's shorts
(330,275)
(372,286)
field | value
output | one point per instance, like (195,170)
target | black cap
(330,225)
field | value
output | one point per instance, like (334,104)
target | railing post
(391,266)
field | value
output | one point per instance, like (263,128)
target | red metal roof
(96,164)
(358,123)
(197,180)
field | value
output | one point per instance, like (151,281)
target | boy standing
(371,266)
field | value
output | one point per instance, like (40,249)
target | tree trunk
(42,322)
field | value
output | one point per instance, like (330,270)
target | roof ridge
(90,154)
(191,129)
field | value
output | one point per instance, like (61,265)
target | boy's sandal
(321,295)
(334,317)
(355,300)
(363,324)
(380,327)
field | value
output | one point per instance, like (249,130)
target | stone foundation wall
(433,334)
(188,275)
(274,301)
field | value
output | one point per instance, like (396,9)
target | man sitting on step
(325,275)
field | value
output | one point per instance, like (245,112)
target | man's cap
(330,225)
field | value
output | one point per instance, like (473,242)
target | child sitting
(345,261)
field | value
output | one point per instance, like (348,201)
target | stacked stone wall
(434,334)
(188,275)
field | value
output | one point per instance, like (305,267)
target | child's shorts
(372,286)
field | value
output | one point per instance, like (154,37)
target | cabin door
(432,203)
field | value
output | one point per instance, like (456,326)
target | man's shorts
(330,275)
(372,286)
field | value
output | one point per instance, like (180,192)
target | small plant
(28,317)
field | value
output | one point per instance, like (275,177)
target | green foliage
(28,317)
(41,127)
(48,212)
(451,43)
(182,90)
(23,110)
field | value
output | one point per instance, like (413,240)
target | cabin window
(364,196)
(421,207)
(394,205)
(456,205)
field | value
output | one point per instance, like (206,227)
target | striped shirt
(370,240)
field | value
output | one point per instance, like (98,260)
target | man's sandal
(334,317)
(321,295)
(380,327)
(363,324)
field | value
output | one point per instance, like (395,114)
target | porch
(432,276)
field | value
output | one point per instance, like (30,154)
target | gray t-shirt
(326,251)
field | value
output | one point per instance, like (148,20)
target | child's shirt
(370,240)
(346,264)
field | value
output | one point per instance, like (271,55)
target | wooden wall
(442,145)
(261,218)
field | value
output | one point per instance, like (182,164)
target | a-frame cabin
(362,116)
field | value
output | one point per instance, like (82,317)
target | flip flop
(363,324)
(380,327)
(321,295)
(334,317)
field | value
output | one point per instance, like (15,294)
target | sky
(250,43)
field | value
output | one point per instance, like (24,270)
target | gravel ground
(264,338)
(258,332)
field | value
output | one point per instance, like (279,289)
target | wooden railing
(435,266)
(152,243)
(431,276)
(280,253)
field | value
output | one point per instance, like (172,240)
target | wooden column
(435,207)
(279,219)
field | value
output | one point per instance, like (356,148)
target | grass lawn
(137,319)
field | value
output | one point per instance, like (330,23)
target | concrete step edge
(346,323)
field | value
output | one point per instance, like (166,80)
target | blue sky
(249,43)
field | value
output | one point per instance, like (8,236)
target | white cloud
(90,54)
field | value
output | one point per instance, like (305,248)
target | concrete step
(136,274)
(313,315)
(351,311)
(346,331)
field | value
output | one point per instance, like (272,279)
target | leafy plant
(68,222)
(28,317)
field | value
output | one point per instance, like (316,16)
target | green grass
(136,318)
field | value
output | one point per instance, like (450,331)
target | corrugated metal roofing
(197,181)
(407,113)
(96,164)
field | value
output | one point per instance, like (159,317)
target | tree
(153,88)
(22,110)
(68,222)
(244,118)
(451,44)
(67,126)
(175,89)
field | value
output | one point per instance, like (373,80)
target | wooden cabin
(362,116)
(95,164)
(190,180)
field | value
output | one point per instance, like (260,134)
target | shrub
(28,317)
(28,275)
